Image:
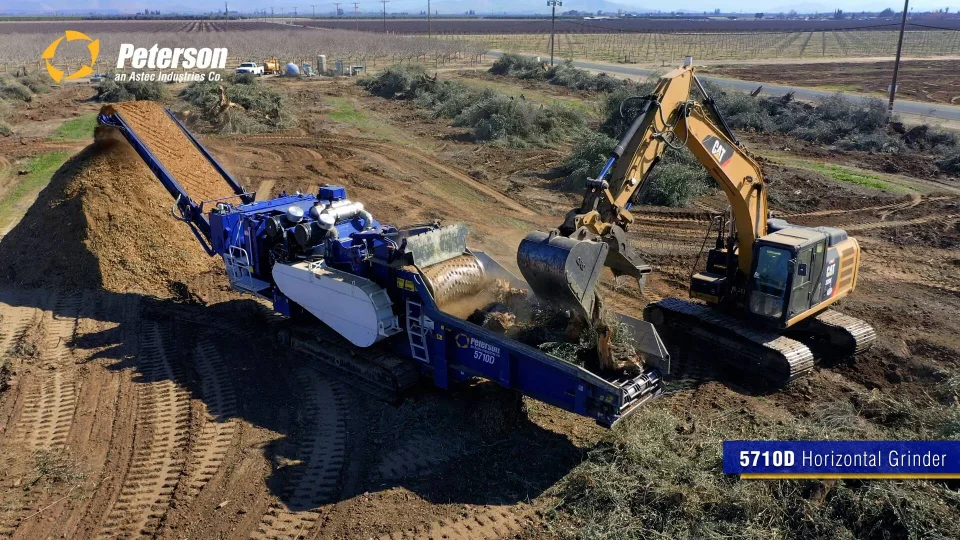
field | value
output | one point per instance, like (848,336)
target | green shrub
(658,476)
(398,82)
(621,107)
(37,83)
(514,122)
(590,152)
(562,74)
(520,67)
(12,90)
(446,99)
(242,78)
(950,164)
(673,183)
(111,91)
(491,116)
(5,129)
(257,109)
(565,74)
(833,120)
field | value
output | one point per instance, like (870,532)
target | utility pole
(429,29)
(314,11)
(896,63)
(356,15)
(553,24)
(294,12)
(271,13)
(226,12)
(338,12)
(384,2)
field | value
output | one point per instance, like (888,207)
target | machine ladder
(417,332)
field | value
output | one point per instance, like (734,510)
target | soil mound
(102,222)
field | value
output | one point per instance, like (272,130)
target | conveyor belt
(173,149)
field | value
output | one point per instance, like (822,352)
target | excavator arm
(773,278)
(564,265)
(737,173)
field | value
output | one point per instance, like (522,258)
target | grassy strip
(842,174)
(40,169)
(346,112)
(76,129)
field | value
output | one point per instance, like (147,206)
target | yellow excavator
(765,292)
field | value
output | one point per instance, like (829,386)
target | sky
(459,6)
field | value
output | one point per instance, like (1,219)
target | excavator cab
(795,269)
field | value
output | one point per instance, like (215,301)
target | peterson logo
(70,35)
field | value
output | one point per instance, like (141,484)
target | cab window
(769,282)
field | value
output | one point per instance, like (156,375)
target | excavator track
(843,335)
(776,358)
(373,371)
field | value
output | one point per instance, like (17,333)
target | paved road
(933,110)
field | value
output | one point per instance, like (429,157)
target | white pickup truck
(250,67)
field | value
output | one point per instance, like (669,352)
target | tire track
(14,319)
(161,434)
(895,264)
(320,449)
(416,456)
(901,223)
(393,150)
(219,419)
(50,399)
(493,523)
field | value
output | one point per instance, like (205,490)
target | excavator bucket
(561,270)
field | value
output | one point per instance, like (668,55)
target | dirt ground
(143,397)
(935,81)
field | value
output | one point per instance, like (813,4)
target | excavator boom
(771,278)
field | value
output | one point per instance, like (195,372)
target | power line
(553,24)
(896,62)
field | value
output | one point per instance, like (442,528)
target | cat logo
(720,150)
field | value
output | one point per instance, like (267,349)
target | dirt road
(798,87)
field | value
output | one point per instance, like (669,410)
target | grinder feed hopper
(561,270)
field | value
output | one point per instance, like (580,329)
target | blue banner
(842,459)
